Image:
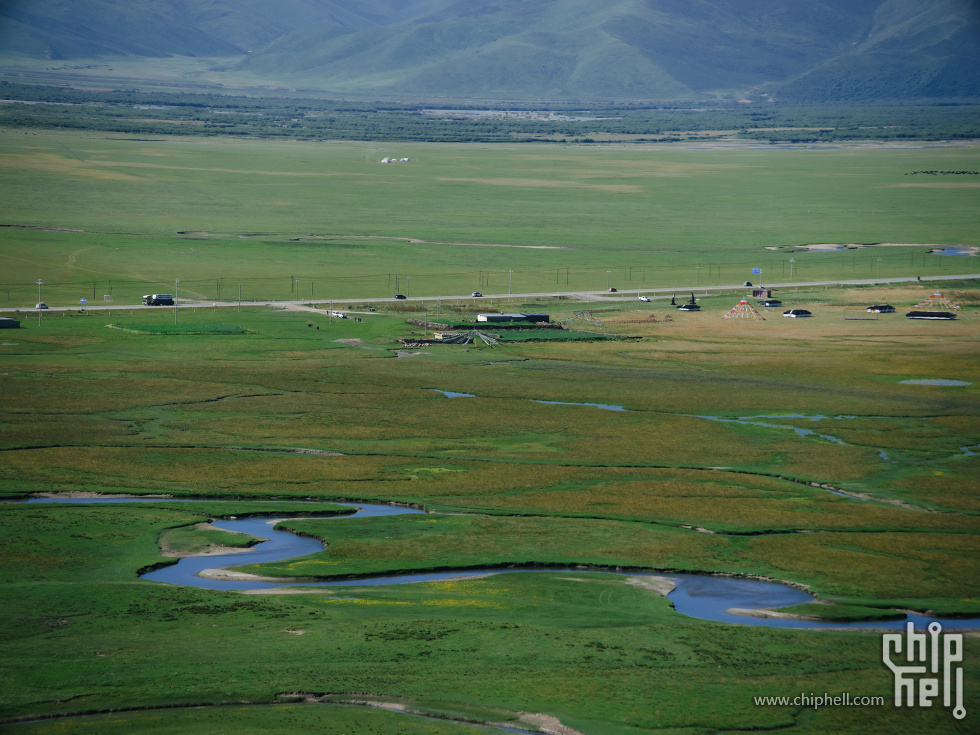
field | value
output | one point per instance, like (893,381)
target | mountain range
(819,50)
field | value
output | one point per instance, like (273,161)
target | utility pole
(176,298)
(510,288)
(39,283)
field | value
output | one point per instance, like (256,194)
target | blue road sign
(757,270)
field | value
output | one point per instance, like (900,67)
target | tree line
(140,112)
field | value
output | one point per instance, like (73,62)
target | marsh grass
(201,538)
(549,641)
(185,329)
(333,719)
(919,564)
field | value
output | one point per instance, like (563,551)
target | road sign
(757,270)
(83,300)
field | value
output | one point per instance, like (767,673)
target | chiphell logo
(926,660)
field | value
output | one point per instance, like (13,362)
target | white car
(42,305)
(644,298)
(338,314)
(477,295)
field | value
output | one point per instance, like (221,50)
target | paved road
(653,293)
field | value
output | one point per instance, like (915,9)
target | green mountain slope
(818,50)
(619,48)
(914,49)
(64,29)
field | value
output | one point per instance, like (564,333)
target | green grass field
(796,446)
(329,221)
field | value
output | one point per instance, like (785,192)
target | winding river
(707,597)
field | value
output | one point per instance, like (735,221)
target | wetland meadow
(836,454)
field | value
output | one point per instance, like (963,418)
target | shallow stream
(697,595)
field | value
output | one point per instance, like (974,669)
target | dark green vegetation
(243,719)
(264,404)
(832,50)
(313,117)
(185,329)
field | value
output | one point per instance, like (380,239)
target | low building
(535,317)
(930,315)
(538,317)
(8,323)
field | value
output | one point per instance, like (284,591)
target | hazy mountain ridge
(552,49)
(64,29)
(913,50)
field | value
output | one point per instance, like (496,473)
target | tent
(744,310)
(465,338)
(937,301)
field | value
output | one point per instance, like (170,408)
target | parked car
(477,295)
(797,313)
(882,309)
(771,302)
(42,305)
(612,289)
(688,307)
(399,296)
(338,314)
(644,298)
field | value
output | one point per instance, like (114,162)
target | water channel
(753,420)
(698,595)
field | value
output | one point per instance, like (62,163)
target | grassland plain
(714,435)
(328,220)
(601,655)
(711,439)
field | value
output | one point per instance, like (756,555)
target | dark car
(399,296)
(882,309)
(771,302)
(797,313)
